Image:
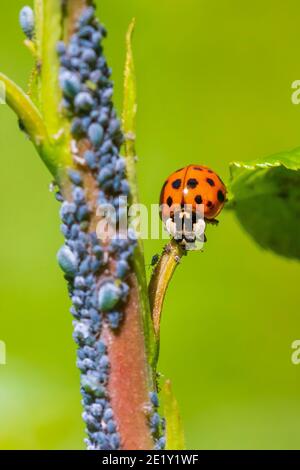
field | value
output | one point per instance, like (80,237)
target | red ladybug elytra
(190,187)
(193,185)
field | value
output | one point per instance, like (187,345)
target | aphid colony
(87,93)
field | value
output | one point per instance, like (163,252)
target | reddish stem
(128,381)
(130,378)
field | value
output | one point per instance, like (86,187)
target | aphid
(75,231)
(87,16)
(84,101)
(96,38)
(125,188)
(75,177)
(114,127)
(122,269)
(85,32)
(98,251)
(105,173)
(155,422)
(82,213)
(67,260)
(79,282)
(114,319)
(89,56)
(96,265)
(111,427)
(78,195)
(65,230)
(161,443)
(90,159)
(26,19)
(81,331)
(91,385)
(85,267)
(96,410)
(103,119)
(77,302)
(77,129)
(95,134)
(108,415)
(154,261)
(61,48)
(70,84)
(154,399)
(107,95)
(59,197)
(106,148)
(95,76)
(109,296)
(86,122)
(74,50)
(104,362)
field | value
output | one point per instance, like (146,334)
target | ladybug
(197,188)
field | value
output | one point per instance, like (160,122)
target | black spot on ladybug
(198,199)
(209,171)
(177,171)
(221,197)
(176,184)
(197,168)
(169,201)
(210,181)
(192,183)
(194,218)
(209,204)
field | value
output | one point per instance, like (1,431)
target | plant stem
(162,275)
(129,129)
(32,121)
(130,350)
(130,377)
(174,430)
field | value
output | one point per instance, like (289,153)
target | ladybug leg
(212,221)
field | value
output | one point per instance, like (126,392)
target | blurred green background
(214,84)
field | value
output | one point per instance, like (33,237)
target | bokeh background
(214,84)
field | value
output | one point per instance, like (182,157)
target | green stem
(174,430)
(32,120)
(129,128)
(162,275)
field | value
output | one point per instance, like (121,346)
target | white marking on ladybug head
(171,227)
(199,229)
(184,230)
(184,215)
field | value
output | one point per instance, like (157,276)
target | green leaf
(266,200)
(130,104)
(48,33)
(174,430)
(32,121)
(129,129)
